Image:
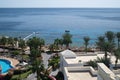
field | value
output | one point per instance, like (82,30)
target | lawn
(23,76)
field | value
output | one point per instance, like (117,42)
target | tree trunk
(67,46)
(86,49)
(105,55)
(106,58)
(116,61)
(118,43)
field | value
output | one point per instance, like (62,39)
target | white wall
(105,73)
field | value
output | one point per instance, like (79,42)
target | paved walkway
(31,77)
(45,62)
(45,59)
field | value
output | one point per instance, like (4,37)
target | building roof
(68,54)
(79,73)
(80,76)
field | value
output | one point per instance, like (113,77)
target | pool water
(5,65)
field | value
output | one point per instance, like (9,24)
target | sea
(51,23)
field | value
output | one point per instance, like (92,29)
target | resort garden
(27,59)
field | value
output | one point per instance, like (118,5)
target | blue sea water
(51,23)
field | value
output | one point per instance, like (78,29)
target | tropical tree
(117,55)
(61,42)
(86,40)
(15,41)
(36,62)
(100,41)
(94,62)
(22,45)
(67,38)
(35,56)
(34,43)
(3,41)
(110,36)
(118,38)
(107,47)
(52,47)
(57,42)
(11,41)
(42,42)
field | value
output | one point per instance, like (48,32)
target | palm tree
(36,62)
(67,39)
(107,47)
(52,47)
(15,41)
(34,42)
(118,37)
(117,55)
(100,42)
(22,45)
(57,43)
(11,41)
(86,40)
(3,41)
(42,42)
(35,56)
(61,43)
(110,36)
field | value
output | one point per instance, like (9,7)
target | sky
(60,3)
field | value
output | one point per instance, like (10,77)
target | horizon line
(65,7)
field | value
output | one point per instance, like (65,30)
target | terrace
(72,66)
(82,73)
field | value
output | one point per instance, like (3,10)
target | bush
(21,71)
(15,52)
(92,63)
(98,60)
(54,62)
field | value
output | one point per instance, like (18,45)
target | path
(45,59)
(45,62)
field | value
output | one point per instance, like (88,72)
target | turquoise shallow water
(51,23)
(5,65)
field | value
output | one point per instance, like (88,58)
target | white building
(73,67)
(68,59)
(104,73)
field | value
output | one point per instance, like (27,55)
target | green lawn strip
(24,75)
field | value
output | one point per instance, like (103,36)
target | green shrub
(54,62)
(98,60)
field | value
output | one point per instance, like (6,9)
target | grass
(23,76)
(25,57)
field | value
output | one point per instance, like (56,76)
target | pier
(27,37)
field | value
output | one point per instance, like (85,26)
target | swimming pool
(5,65)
